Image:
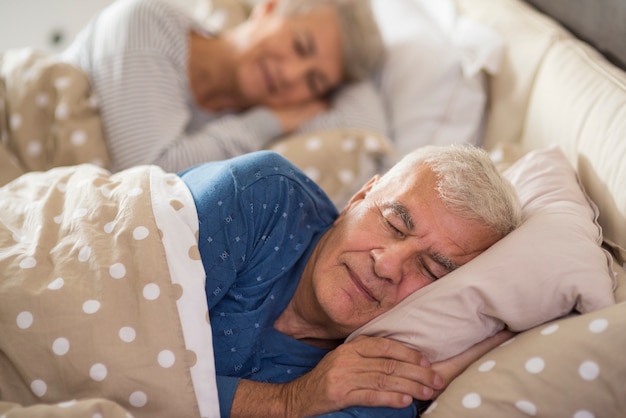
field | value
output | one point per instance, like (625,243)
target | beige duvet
(102,306)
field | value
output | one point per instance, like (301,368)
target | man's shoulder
(269,176)
(264,174)
(270,166)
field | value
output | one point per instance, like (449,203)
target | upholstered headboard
(552,88)
(602,24)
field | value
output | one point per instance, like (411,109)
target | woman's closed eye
(298,46)
(303,44)
(317,83)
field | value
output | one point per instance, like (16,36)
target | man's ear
(364,190)
(360,195)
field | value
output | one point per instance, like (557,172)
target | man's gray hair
(469,184)
(362,44)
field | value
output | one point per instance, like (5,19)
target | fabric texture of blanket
(103,305)
(48,115)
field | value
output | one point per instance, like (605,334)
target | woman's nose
(295,71)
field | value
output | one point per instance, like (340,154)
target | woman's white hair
(362,43)
(469,184)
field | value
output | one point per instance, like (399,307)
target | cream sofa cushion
(579,103)
(528,35)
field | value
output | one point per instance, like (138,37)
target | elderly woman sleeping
(175,95)
(145,83)
(229,289)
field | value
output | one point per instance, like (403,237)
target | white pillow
(432,83)
(553,263)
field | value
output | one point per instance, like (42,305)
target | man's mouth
(360,286)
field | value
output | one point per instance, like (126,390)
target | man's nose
(393,263)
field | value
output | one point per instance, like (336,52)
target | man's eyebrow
(445,262)
(402,212)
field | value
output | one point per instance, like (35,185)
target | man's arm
(374,372)
(365,372)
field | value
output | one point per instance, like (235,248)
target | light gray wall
(44,24)
(601,23)
(49,25)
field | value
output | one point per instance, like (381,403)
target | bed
(554,120)
(547,105)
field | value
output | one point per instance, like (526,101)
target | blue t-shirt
(259,219)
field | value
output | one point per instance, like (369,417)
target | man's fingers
(386,360)
(367,397)
(384,347)
(396,358)
(368,371)
(377,381)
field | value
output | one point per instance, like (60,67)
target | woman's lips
(360,286)
(267,76)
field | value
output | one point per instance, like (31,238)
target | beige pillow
(553,263)
(340,161)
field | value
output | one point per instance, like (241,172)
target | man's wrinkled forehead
(409,179)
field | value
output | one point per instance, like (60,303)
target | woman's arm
(358,105)
(452,367)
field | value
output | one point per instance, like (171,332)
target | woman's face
(290,60)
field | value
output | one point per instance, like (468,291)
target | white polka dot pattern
(570,368)
(74,408)
(61,346)
(177,221)
(51,119)
(24,320)
(339,160)
(109,283)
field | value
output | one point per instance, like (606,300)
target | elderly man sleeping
(229,289)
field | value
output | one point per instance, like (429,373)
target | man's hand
(292,117)
(367,371)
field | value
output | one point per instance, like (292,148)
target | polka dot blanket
(102,291)
(48,115)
